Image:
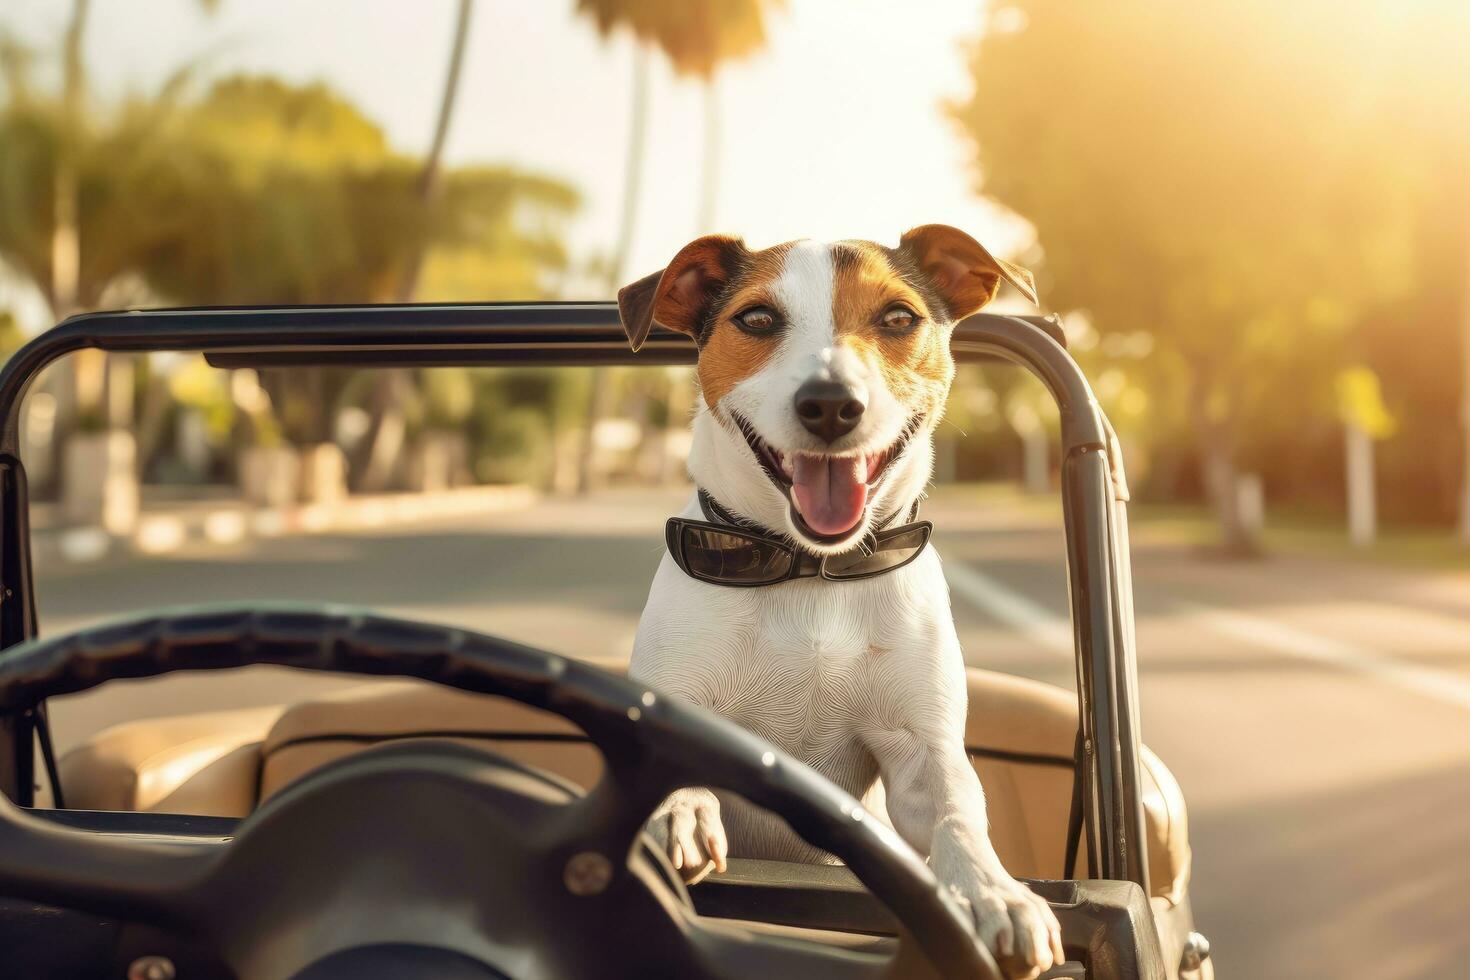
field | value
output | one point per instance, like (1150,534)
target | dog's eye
(899,319)
(758,320)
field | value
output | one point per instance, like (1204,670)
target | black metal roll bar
(1094,492)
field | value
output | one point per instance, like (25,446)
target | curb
(226,524)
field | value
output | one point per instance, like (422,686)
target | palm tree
(697,36)
(389,393)
(48,246)
(294,197)
(89,366)
(616,268)
(65,244)
(428,185)
(63,288)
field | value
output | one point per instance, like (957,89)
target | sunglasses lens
(888,552)
(733,558)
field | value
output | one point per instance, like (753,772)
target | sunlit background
(1253,217)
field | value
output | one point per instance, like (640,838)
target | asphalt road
(1317,714)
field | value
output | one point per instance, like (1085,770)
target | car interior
(1020,738)
(502,757)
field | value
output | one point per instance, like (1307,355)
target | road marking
(225,527)
(79,544)
(1438,685)
(1031,619)
(159,535)
(1053,632)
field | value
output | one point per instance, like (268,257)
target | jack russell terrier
(823,370)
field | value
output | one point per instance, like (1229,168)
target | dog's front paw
(687,826)
(1015,924)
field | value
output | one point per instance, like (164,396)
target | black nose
(828,409)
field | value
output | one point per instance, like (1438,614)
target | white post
(946,454)
(1035,449)
(1250,504)
(118,412)
(1037,461)
(192,438)
(1362,504)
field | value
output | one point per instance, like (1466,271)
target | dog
(823,371)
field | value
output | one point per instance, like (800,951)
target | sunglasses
(725,555)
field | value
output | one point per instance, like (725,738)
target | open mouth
(828,494)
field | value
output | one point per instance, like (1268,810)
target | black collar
(757,555)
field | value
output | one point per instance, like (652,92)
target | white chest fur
(817,668)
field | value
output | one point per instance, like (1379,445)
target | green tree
(10,335)
(261,192)
(1213,174)
(60,248)
(293,196)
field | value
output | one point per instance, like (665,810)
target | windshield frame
(1094,493)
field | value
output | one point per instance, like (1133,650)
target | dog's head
(823,368)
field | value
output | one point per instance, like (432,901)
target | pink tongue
(830,492)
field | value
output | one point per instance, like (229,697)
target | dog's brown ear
(964,272)
(679,296)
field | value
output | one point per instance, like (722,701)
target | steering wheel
(438,860)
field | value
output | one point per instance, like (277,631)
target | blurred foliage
(1216,177)
(448,398)
(202,388)
(1256,216)
(257,191)
(698,37)
(264,192)
(294,197)
(517,446)
(1360,402)
(10,336)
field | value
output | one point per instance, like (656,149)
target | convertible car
(479,813)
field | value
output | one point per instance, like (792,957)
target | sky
(836,130)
